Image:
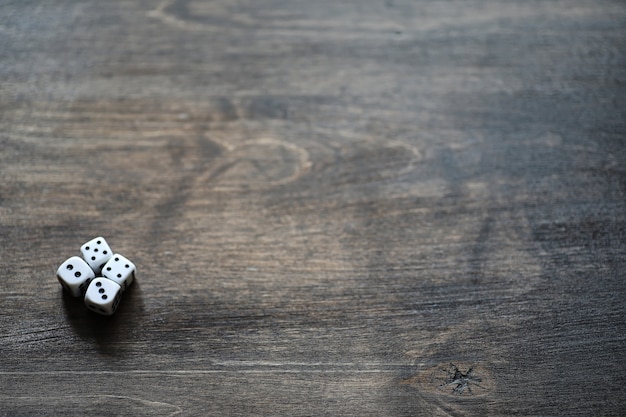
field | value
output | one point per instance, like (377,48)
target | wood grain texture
(393,208)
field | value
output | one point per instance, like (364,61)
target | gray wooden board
(353,208)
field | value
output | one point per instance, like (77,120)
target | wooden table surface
(362,208)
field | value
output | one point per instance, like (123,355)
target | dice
(120,270)
(103,296)
(100,276)
(75,275)
(96,253)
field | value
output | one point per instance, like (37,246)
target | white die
(103,296)
(74,275)
(120,270)
(96,253)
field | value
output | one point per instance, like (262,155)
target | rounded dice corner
(64,286)
(99,240)
(99,310)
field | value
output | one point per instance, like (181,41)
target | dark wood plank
(336,208)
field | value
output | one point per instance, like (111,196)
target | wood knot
(453,379)
(461,382)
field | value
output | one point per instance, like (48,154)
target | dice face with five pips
(96,253)
(80,277)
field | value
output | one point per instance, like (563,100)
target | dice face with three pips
(80,277)
(103,296)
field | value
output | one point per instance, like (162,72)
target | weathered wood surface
(336,208)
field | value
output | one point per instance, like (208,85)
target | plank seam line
(115,397)
(206,372)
